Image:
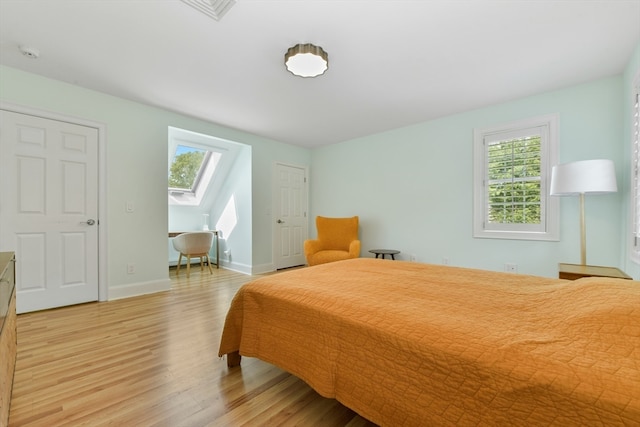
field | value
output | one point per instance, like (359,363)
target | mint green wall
(412,187)
(136,151)
(237,188)
(632,72)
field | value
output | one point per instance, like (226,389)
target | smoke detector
(30,52)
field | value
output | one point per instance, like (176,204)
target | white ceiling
(391,63)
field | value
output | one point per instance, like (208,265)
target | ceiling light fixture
(306,60)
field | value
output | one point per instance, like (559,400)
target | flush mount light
(306,60)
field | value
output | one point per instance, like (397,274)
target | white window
(635,171)
(512,172)
(188,168)
(195,161)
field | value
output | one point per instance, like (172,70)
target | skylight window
(191,171)
(198,165)
(187,168)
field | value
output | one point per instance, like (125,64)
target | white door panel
(48,195)
(290,216)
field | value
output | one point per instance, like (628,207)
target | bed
(414,344)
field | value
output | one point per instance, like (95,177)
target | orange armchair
(337,240)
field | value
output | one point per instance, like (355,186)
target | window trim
(549,158)
(634,196)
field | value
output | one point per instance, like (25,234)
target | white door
(290,216)
(49,209)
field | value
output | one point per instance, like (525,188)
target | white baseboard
(140,288)
(263,268)
(234,266)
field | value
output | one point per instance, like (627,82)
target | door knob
(91,221)
(280,221)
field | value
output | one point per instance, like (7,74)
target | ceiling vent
(212,8)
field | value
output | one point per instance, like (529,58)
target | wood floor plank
(152,361)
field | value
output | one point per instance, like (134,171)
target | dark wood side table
(382,252)
(576,271)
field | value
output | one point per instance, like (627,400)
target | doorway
(50,191)
(290,216)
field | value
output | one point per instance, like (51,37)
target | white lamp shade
(586,176)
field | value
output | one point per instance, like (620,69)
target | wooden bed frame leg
(233,359)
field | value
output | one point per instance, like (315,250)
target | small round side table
(382,252)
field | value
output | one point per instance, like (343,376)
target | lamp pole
(583,233)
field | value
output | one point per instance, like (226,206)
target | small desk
(382,252)
(576,271)
(215,237)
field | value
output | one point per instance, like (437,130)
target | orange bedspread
(420,345)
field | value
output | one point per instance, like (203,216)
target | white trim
(261,269)
(139,288)
(237,267)
(551,208)
(103,290)
(634,250)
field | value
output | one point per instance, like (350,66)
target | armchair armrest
(354,249)
(311,247)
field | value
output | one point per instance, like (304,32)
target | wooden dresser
(8,333)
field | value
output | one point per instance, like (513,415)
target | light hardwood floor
(152,361)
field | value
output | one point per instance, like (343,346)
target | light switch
(130,207)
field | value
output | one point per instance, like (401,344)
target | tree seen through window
(186,167)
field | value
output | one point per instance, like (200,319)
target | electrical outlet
(412,258)
(511,268)
(445,261)
(131,268)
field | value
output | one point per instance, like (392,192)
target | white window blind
(635,135)
(513,181)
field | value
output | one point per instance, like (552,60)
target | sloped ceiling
(391,63)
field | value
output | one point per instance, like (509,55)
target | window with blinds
(511,181)
(635,135)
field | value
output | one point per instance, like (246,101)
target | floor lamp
(580,178)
